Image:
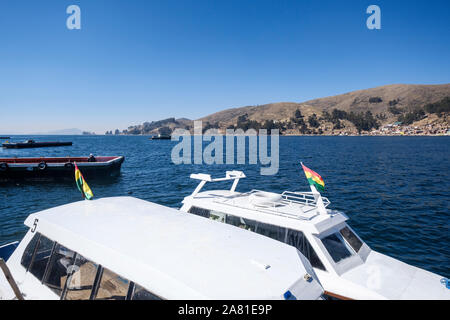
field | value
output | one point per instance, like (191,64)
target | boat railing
(297,205)
(304,204)
(304,198)
(204,178)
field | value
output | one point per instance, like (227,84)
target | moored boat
(34,144)
(161,137)
(345,265)
(59,167)
(123,248)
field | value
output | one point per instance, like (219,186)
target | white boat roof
(287,213)
(175,255)
(387,278)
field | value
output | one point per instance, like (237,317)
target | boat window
(139,293)
(199,212)
(29,251)
(217,216)
(81,282)
(112,286)
(41,257)
(297,239)
(241,222)
(60,267)
(271,231)
(351,238)
(337,247)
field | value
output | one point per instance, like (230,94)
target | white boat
(125,248)
(345,265)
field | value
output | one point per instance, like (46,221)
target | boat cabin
(345,265)
(123,248)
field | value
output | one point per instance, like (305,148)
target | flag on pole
(82,185)
(314,178)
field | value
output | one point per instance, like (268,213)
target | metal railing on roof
(298,205)
(305,198)
(295,205)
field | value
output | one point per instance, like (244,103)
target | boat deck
(283,207)
(288,212)
(295,205)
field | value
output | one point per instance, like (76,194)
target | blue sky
(135,61)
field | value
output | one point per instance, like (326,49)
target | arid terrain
(392,109)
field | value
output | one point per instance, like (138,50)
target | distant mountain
(73,131)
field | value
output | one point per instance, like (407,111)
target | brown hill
(387,104)
(377,100)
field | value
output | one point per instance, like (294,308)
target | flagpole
(76,168)
(319,201)
(317,198)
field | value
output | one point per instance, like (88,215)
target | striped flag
(314,178)
(82,185)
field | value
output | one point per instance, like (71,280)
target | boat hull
(58,168)
(35,145)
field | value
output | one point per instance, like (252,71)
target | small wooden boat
(161,137)
(34,144)
(24,168)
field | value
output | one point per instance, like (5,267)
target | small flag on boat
(82,185)
(314,178)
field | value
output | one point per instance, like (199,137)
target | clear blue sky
(135,61)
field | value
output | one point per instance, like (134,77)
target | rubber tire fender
(42,165)
(69,165)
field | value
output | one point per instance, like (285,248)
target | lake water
(394,189)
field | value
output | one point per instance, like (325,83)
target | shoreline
(281,135)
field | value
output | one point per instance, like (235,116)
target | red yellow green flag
(82,185)
(314,179)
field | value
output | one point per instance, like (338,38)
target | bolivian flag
(82,185)
(314,179)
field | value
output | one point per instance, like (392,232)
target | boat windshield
(342,244)
(351,238)
(337,247)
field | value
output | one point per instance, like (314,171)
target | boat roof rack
(307,202)
(296,205)
(229,175)
(303,198)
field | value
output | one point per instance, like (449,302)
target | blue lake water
(394,189)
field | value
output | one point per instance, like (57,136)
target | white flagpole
(319,201)
(317,197)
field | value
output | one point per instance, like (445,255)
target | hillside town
(397,129)
(393,110)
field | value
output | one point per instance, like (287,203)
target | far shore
(281,135)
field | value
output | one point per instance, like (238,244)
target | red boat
(23,168)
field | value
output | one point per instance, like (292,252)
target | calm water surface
(394,189)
